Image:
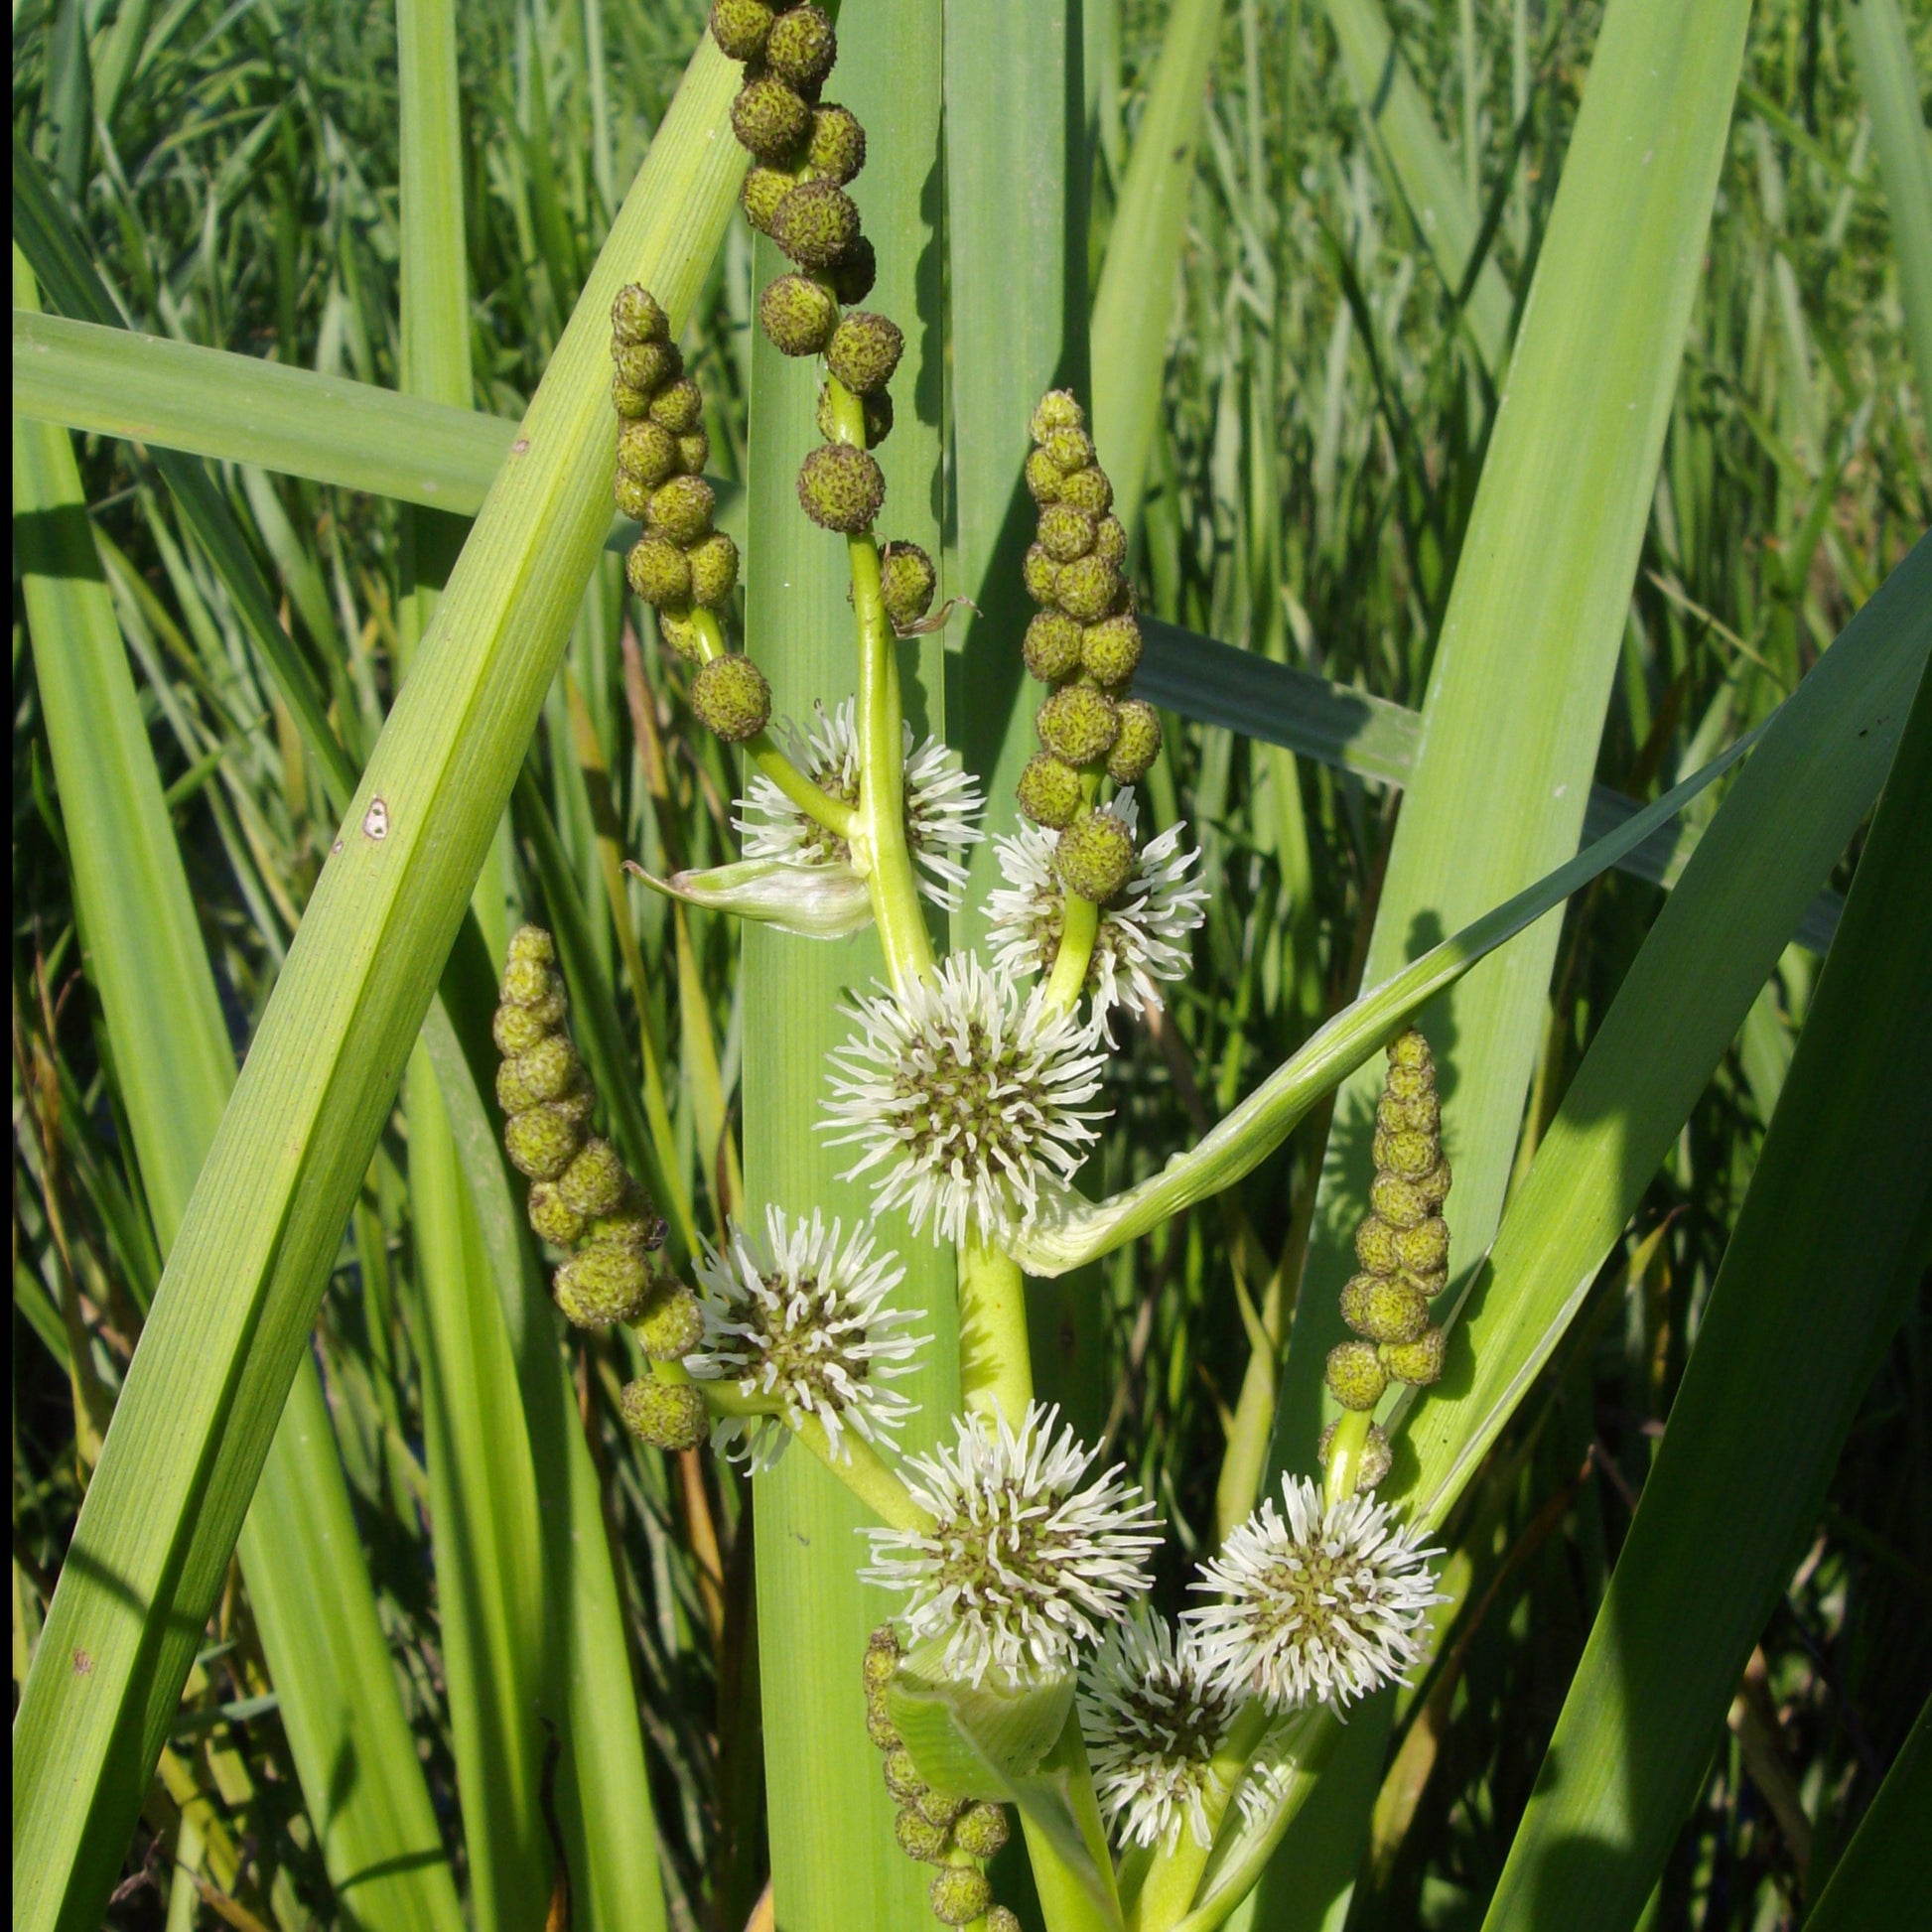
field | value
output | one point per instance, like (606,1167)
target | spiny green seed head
(674,625)
(547,1071)
(1088,490)
(714,569)
(837,148)
(1424,1113)
(1052,646)
(1000,1919)
(1418,1362)
(1409,1082)
(1405,1151)
(667,1415)
(1078,724)
(740,27)
(541,1142)
(1110,650)
(1049,792)
(802,48)
(906,583)
(769,118)
(517,1028)
(680,408)
(1375,1246)
(1064,532)
(1086,588)
(882,1655)
(1137,744)
(680,513)
(1376,1456)
(1411,1049)
(1041,574)
(877,408)
(1072,449)
(553,1219)
(936,1810)
(902,1778)
(693,452)
(1095,857)
(919,1840)
(959,1895)
(648,452)
(765,188)
(636,316)
(630,403)
(865,350)
(1383,1310)
(855,272)
(1355,1377)
(798,316)
(1043,480)
(595,1182)
(839,487)
(1058,409)
(671,1326)
(816,223)
(1109,538)
(1398,1201)
(632,498)
(529,982)
(980,1830)
(879,1722)
(1422,1249)
(600,1286)
(577,1106)
(1435,1184)
(730,697)
(656,571)
(532,943)
(636,1224)
(647,365)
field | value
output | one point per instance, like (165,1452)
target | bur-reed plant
(1093,1228)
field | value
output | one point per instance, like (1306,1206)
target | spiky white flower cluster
(942,804)
(1153,1721)
(1022,1564)
(1142,929)
(1318,1605)
(802,1321)
(967,1097)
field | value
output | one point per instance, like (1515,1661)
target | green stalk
(996,1375)
(1174,1876)
(1079,928)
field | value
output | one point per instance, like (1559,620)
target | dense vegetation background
(1327,398)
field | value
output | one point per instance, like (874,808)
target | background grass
(1324,413)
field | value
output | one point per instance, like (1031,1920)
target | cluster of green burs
(583,1198)
(1402,1248)
(680,566)
(950,1833)
(1086,643)
(805,152)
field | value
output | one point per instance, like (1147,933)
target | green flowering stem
(838,818)
(862,1471)
(1079,928)
(995,1369)
(1346,1449)
(880,820)
(1175,1874)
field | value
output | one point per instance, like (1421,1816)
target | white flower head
(1142,929)
(942,803)
(799,1319)
(1153,1719)
(967,1097)
(1318,1605)
(1022,1564)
